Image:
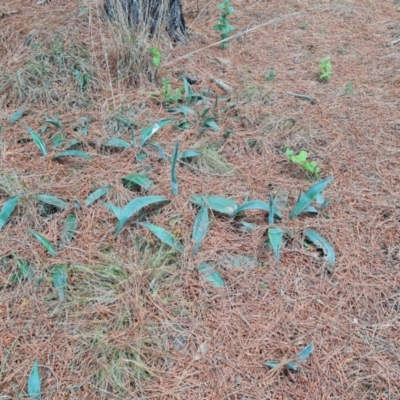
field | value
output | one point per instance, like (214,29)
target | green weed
(301,160)
(223,25)
(170,96)
(325,68)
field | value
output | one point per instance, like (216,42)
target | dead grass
(138,321)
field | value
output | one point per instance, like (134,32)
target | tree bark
(150,14)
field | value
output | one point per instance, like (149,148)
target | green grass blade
(44,242)
(275,236)
(34,382)
(37,140)
(117,211)
(137,181)
(7,209)
(97,194)
(189,154)
(147,132)
(216,203)
(71,225)
(305,199)
(134,206)
(174,181)
(165,236)
(52,200)
(54,122)
(212,276)
(115,142)
(16,116)
(200,227)
(60,280)
(73,153)
(322,243)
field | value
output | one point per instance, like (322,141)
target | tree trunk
(149,14)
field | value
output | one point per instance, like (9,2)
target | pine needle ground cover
(156,241)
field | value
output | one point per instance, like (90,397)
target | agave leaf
(303,355)
(211,275)
(7,209)
(147,132)
(72,143)
(16,116)
(71,225)
(210,123)
(200,227)
(323,244)
(275,236)
(185,110)
(305,199)
(216,203)
(96,195)
(311,210)
(165,236)
(271,210)
(135,205)
(58,140)
(52,200)
(135,181)
(159,149)
(117,211)
(60,280)
(116,142)
(189,154)
(186,85)
(247,226)
(34,382)
(73,153)
(25,269)
(174,181)
(54,122)
(182,125)
(255,205)
(44,242)
(37,140)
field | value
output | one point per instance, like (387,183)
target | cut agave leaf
(255,205)
(54,122)
(34,382)
(322,243)
(115,142)
(275,236)
(147,132)
(16,116)
(7,209)
(200,227)
(274,364)
(73,153)
(60,280)
(37,140)
(174,181)
(165,236)
(211,275)
(216,203)
(117,211)
(97,194)
(52,200)
(137,181)
(71,225)
(303,355)
(189,154)
(44,242)
(305,199)
(185,110)
(135,205)
(58,140)
(160,150)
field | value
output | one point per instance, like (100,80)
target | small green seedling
(301,160)
(156,57)
(223,25)
(271,75)
(170,96)
(83,79)
(325,68)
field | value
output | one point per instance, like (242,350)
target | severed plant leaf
(71,225)
(37,140)
(305,199)
(200,227)
(52,200)
(44,242)
(160,150)
(321,243)
(165,236)
(275,236)
(216,203)
(209,123)
(189,154)
(116,142)
(147,132)
(7,209)
(133,206)
(55,122)
(211,275)
(97,194)
(255,205)
(137,181)
(34,382)
(185,110)
(303,355)
(16,116)
(174,181)
(60,280)
(73,153)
